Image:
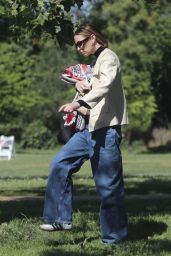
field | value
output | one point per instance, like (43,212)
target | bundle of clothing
(79,72)
(77,120)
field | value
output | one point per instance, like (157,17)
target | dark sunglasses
(82,42)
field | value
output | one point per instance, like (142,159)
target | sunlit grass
(27,173)
(149,217)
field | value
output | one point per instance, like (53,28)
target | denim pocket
(113,139)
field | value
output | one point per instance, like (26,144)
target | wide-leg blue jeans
(102,148)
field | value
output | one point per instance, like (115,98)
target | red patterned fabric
(79,72)
(71,75)
(70,119)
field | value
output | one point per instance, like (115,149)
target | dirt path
(87,198)
(20,198)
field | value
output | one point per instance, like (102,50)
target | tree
(51,61)
(37,17)
(26,83)
(134,30)
(31,91)
(161,75)
(16,94)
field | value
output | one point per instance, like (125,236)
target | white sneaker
(56,226)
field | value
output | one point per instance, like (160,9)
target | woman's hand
(82,87)
(69,107)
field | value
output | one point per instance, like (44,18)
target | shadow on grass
(154,247)
(145,186)
(23,192)
(139,228)
(139,232)
(144,229)
(33,207)
(159,150)
(82,241)
(20,208)
(148,206)
(60,252)
(148,186)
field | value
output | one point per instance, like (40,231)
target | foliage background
(36,44)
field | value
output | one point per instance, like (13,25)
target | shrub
(37,135)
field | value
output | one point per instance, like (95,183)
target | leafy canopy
(139,33)
(37,17)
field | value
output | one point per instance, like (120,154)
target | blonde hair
(87,29)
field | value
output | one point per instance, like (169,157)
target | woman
(99,142)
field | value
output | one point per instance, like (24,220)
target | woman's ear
(93,38)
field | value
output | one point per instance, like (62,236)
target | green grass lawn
(147,185)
